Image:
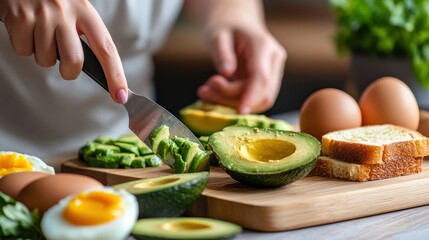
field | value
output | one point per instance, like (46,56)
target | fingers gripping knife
(144,114)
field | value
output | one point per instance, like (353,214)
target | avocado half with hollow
(265,157)
(204,119)
(166,196)
(184,228)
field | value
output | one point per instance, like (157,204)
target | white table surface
(405,224)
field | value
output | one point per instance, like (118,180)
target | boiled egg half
(11,162)
(100,213)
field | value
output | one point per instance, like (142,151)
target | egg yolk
(93,208)
(13,162)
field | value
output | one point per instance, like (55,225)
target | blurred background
(304,27)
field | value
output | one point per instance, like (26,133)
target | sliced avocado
(200,162)
(157,135)
(204,140)
(205,119)
(189,228)
(166,150)
(265,157)
(152,160)
(87,150)
(166,196)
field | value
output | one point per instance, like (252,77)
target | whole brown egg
(13,183)
(45,192)
(388,100)
(329,110)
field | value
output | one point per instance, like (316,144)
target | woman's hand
(46,28)
(250,62)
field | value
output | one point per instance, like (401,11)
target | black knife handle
(91,66)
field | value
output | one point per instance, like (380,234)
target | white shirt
(45,116)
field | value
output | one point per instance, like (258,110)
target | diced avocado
(166,196)
(126,159)
(157,135)
(205,119)
(103,139)
(265,157)
(200,162)
(103,161)
(87,150)
(188,228)
(126,147)
(109,152)
(152,160)
(138,162)
(103,149)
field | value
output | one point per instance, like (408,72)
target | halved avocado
(205,119)
(184,228)
(166,196)
(265,157)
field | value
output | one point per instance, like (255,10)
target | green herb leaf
(387,28)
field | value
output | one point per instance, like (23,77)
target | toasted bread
(375,144)
(330,167)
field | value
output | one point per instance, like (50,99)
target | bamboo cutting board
(308,202)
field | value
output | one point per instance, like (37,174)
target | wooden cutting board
(308,202)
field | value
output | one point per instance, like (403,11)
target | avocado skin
(172,201)
(273,179)
(157,238)
(246,172)
(151,228)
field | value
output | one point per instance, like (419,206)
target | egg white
(37,163)
(55,227)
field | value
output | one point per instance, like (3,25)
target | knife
(144,114)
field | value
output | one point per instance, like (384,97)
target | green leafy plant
(386,28)
(17,222)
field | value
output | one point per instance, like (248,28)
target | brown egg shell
(329,110)
(388,100)
(45,192)
(13,183)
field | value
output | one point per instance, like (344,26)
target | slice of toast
(330,167)
(374,144)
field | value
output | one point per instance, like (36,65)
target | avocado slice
(166,196)
(157,135)
(204,119)
(265,157)
(177,152)
(184,228)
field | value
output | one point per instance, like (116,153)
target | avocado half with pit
(265,157)
(166,196)
(184,228)
(204,119)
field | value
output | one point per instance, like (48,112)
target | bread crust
(330,167)
(360,152)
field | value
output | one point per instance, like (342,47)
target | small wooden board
(308,202)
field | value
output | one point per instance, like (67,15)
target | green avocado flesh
(184,228)
(265,157)
(166,196)
(204,119)
(180,154)
(127,151)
